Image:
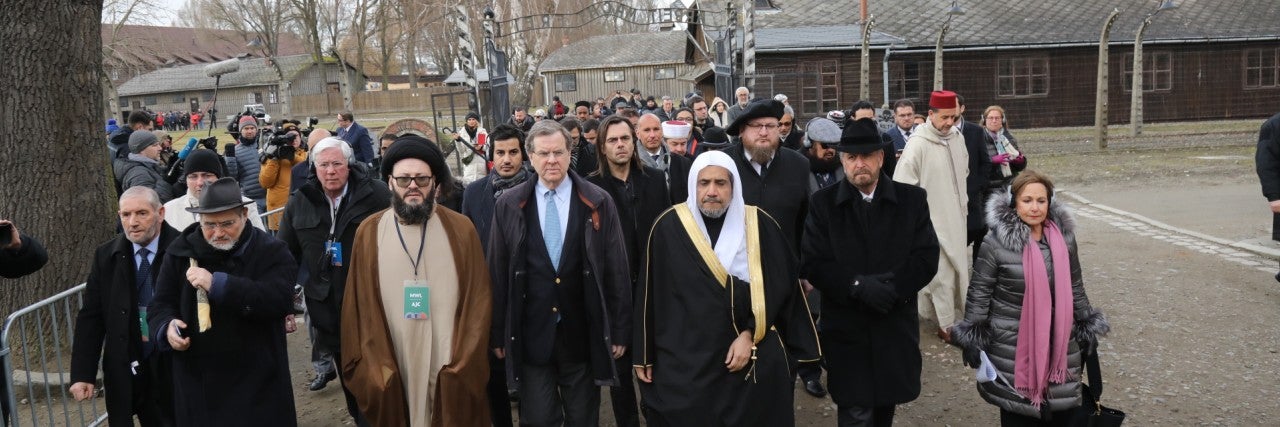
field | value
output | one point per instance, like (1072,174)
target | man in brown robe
(416,312)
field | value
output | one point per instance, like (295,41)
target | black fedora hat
(861,136)
(223,194)
(755,110)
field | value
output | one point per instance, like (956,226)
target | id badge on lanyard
(417,299)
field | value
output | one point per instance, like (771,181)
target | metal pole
(864,82)
(1100,105)
(937,56)
(1135,103)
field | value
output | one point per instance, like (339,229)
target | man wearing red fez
(936,159)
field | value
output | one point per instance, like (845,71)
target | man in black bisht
(869,247)
(720,313)
(640,194)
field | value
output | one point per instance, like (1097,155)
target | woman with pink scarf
(1026,310)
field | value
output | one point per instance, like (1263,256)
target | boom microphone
(222,67)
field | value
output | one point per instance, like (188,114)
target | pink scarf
(1045,326)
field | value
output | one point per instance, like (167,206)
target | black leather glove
(972,356)
(875,293)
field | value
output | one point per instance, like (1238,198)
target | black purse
(1091,413)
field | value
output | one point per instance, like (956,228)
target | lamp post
(864,82)
(952,12)
(1100,106)
(1135,104)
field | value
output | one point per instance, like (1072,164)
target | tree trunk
(60,194)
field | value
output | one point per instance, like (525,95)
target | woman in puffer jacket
(1027,307)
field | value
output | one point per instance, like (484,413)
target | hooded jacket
(994,306)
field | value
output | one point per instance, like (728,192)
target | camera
(279,139)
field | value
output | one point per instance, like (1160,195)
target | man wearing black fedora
(869,247)
(221,299)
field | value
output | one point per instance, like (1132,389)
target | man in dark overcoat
(222,295)
(869,247)
(1268,164)
(112,318)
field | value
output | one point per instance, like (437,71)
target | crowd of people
(707,254)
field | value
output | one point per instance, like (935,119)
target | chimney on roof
(564,41)
(863,11)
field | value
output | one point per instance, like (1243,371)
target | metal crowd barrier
(35,346)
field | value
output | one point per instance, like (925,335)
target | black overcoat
(873,359)
(108,323)
(237,372)
(1267,160)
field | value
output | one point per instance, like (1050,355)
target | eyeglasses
(225,225)
(558,154)
(422,181)
(762,126)
(784,124)
(330,165)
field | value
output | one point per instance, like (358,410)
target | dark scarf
(501,184)
(471,131)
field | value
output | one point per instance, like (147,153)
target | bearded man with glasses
(319,226)
(415,315)
(221,298)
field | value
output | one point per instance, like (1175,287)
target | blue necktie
(145,293)
(551,229)
(145,289)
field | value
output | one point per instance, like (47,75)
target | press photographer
(284,148)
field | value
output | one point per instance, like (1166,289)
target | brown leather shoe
(945,335)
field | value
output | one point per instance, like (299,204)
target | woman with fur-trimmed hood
(1033,331)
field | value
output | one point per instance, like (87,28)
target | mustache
(712,199)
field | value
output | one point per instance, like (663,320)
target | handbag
(1091,412)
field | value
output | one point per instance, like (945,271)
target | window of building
(178,99)
(614,76)
(272,97)
(666,73)
(905,80)
(567,82)
(150,100)
(1261,68)
(819,86)
(122,103)
(255,98)
(1157,72)
(1022,77)
(206,96)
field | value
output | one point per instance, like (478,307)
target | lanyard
(422,244)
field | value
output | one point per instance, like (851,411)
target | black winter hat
(416,147)
(203,161)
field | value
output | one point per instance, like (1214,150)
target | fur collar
(1011,232)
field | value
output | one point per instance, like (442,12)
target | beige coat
(940,163)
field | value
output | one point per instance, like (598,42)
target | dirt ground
(1194,340)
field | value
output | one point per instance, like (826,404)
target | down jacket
(994,306)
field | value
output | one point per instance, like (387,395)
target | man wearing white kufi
(675,135)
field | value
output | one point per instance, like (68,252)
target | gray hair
(741,89)
(666,98)
(786,109)
(334,142)
(545,128)
(147,193)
